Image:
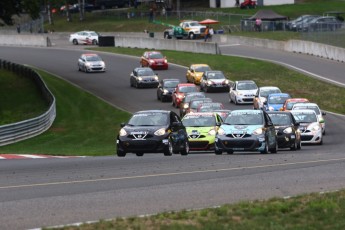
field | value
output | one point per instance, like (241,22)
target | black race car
(153,131)
(287,129)
(143,77)
(165,89)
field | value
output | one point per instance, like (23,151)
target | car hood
(96,63)
(142,129)
(240,129)
(276,107)
(199,129)
(217,81)
(147,77)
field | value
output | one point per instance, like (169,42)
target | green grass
(307,212)
(84,125)
(20,98)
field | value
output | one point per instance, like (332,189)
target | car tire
(136,85)
(218,152)
(191,36)
(265,151)
(299,146)
(185,150)
(275,148)
(120,153)
(321,142)
(230,152)
(94,42)
(75,42)
(170,150)
(294,147)
(172,102)
(139,154)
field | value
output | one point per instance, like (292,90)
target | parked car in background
(301,23)
(275,101)
(287,129)
(246,130)
(106,4)
(242,92)
(248,4)
(201,130)
(154,60)
(214,80)
(291,101)
(84,37)
(143,77)
(91,62)
(180,91)
(327,23)
(261,95)
(195,72)
(152,131)
(165,89)
(316,109)
(310,127)
(184,105)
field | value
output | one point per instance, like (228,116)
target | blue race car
(275,101)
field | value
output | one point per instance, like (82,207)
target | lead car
(153,131)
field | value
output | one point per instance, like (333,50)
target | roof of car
(90,54)
(303,111)
(278,94)
(306,104)
(296,99)
(186,84)
(242,81)
(268,87)
(171,79)
(195,65)
(200,114)
(278,112)
(153,111)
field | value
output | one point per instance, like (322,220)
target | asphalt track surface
(48,192)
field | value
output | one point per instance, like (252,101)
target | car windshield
(194,24)
(266,92)
(246,86)
(199,121)
(218,75)
(145,72)
(156,56)
(202,68)
(93,34)
(280,119)
(277,99)
(314,108)
(190,97)
(195,104)
(188,89)
(210,107)
(305,117)
(171,84)
(149,119)
(244,119)
(93,58)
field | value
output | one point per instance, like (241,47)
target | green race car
(201,129)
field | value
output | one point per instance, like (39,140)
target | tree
(8,8)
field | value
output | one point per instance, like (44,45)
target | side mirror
(122,124)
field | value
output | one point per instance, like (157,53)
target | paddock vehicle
(152,131)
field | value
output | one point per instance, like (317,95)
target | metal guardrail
(22,130)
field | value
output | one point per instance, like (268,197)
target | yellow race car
(195,72)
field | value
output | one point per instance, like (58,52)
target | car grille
(97,68)
(240,143)
(140,145)
(140,136)
(198,144)
(248,99)
(196,136)
(306,137)
(239,135)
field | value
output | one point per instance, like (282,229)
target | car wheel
(299,145)
(218,152)
(230,152)
(205,89)
(139,154)
(185,150)
(94,42)
(79,69)
(324,132)
(294,147)
(321,142)
(265,151)
(191,36)
(275,148)
(120,153)
(235,101)
(170,150)
(75,42)
(136,85)
(173,103)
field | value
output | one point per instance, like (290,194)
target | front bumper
(244,99)
(311,137)
(148,84)
(242,144)
(159,66)
(153,145)
(286,140)
(215,87)
(201,142)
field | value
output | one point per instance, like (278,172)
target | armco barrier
(22,130)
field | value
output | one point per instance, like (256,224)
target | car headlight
(288,130)
(270,108)
(180,96)
(226,82)
(185,106)
(122,132)
(322,120)
(160,132)
(165,61)
(314,127)
(209,82)
(152,61)
(221,131)
(212,132)
(156,78)
(239,93)
(87,64)
(103,64)
(258,131)
(140,78)
(165,91)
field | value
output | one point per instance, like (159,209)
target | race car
(91,62)
(275,101)
(201,130)
(291,101)
(195,72)
(214,80)
(154,60)
(180,91)
(261,95)
(143,77)
(242,92)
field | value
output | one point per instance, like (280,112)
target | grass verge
(84,125)
(307,212)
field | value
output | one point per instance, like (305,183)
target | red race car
(154,60)
(248,4)
(180,91)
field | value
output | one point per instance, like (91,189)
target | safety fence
(22,130)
